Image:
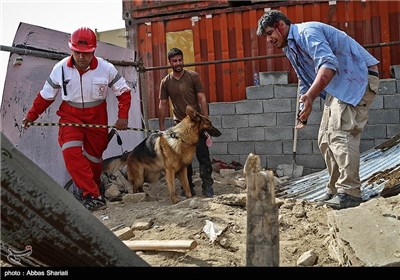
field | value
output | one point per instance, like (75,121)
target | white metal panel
(24,81)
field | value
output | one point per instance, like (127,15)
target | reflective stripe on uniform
(92,158)
(117,77)
(86,104)
(53,85)
(71,144)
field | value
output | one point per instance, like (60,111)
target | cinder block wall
(264,124)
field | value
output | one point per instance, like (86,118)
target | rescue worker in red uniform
(84,81)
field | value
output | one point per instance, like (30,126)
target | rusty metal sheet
(146,8)
(227,33)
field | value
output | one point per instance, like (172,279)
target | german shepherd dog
(170,151)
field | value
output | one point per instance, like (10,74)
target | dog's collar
(175,135)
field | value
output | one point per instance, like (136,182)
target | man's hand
(307,108)
(25,123)
(121,124)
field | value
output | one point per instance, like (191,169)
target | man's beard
(178,69)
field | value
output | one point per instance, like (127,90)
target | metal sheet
(24,81)
(375,165)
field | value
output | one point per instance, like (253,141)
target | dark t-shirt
(182,92)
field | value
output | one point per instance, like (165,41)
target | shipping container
(219,39)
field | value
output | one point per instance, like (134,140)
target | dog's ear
(191,112)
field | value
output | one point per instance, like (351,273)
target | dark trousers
(203,156)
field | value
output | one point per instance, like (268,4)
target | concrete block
(384,116)
(387,86)
(228,135)
(124,234)
(395,71)
(216,121)
(365,145)
(277,105)
(251,134)
(249,107)
(265,119)
(219,148)
(278,133)
(274,78)
(377,104)
(315,117)
(243,147)
(310,132)
(304,147)
(285,119)
(259,92)
(221,108)
(268,147)
(391,101)
(235,121)
(392,129)
(374,131)
(285,91)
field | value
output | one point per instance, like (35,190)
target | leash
(87,125)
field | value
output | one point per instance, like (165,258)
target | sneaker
(208,191)
(343,200)
(325,197)
(94,204)
(78,194)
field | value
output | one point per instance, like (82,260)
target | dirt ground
(303,225)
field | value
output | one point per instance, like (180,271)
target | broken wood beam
(262,247)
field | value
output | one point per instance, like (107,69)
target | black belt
(373,73)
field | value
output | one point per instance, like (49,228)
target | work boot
(208,191)
(343,200)
(94,204)
(321,201)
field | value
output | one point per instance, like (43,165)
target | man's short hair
(174,51)
(269,19)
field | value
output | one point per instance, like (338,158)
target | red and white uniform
(83,95)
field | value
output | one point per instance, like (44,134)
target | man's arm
(163,107)
(38,107)
(201,96)
(124,104)
(323,78)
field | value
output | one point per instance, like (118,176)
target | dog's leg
(182,175)
(170,178)
(135,173)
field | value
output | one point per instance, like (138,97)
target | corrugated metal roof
(377,166)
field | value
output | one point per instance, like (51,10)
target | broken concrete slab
(367,235)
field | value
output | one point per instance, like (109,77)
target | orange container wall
(148,8)
(228,33)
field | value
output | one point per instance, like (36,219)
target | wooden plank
(160,245)
(40,217)
(262,215)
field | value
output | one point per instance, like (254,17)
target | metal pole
(257,57)
(59,55)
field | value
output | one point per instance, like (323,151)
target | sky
(65,16)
